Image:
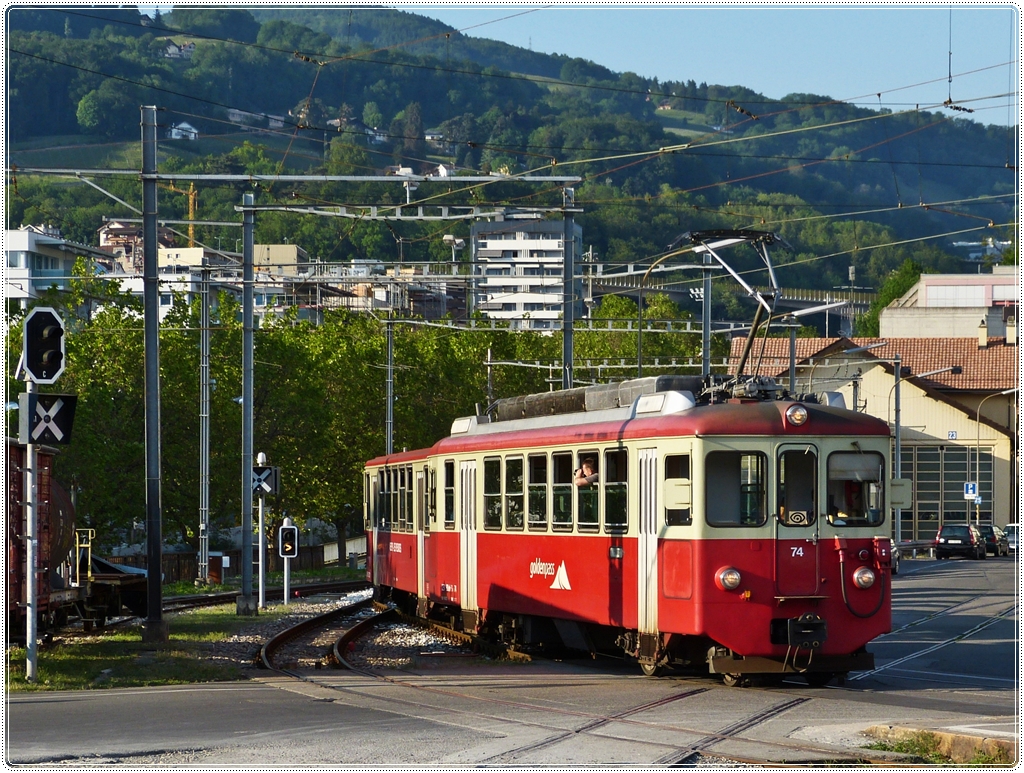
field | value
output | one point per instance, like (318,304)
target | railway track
(418,696)
(173,604)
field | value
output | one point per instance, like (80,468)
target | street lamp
(454,242)
(977,450)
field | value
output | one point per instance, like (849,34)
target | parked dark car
(960,539)
(996,542)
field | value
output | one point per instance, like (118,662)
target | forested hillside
(352,91)
(657,158)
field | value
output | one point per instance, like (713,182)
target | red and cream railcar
(749,534)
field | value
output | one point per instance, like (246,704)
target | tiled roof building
(955,428)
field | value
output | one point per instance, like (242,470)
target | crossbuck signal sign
(266,480)
(45,418)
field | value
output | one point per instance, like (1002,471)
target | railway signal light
(288,542)
(43,345)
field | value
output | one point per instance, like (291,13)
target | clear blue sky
(835,51)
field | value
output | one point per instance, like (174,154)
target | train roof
(651,415)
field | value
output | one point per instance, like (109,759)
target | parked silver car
(1011,537)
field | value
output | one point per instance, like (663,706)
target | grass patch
(94,152)
(274,579)
(923,745)
(323,574)
(120,659)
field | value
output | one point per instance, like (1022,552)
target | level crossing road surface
(950,663)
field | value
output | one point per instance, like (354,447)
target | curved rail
(265,658)
(341,646)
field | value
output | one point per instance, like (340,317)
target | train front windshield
(856,495)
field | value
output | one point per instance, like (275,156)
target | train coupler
(807,632)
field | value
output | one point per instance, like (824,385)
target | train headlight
(796,415)
(864,578)
(728,578)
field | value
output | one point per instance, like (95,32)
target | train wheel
(735,680)
(819,678)
(652,669)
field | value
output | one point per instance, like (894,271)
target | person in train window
(586,474)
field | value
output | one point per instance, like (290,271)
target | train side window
(537,496)
(410,522)
(449,495)
(735,488)
(561,491)
(430,505)
(369,503)
(855,492)
(587,496)
(514,492)
(393,498)
(366,500)
(677,490)
(403,513)
(797,491)
(492,493)
(420,519)
(615,481)
(382,499)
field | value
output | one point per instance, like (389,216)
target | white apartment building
(517,271)
(38,258)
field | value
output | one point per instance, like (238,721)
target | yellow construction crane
(193,200)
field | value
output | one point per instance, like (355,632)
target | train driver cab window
(677,490)
(492,493)
(537,496)
(449,495)
(615,518)
(514,492)
(561,491)
(797,492)
(735,486)
(855,493)
(587,481)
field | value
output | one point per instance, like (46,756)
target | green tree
(372,116)
(895,285)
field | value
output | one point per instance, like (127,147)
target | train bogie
(742,537)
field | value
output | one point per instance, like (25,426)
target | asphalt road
(950,661)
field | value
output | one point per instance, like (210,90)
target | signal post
(288,548)
(42,358)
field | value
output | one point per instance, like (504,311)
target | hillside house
(182,131)
(184,51)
